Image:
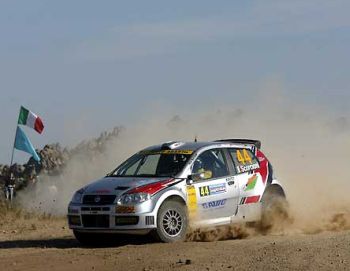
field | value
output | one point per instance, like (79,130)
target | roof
(194,146)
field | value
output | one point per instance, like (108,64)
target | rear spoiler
(256,143)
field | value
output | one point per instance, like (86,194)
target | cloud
(265,18)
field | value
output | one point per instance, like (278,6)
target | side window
(212,163)
(244,160)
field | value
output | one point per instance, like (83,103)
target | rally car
(169,188)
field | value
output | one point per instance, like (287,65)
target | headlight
(136,198)
(77,197)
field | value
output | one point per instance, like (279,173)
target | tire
(275,209)
(172,222)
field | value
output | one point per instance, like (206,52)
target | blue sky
(87,66)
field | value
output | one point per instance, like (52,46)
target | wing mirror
(199,176)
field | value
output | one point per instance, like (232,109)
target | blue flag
(22,143)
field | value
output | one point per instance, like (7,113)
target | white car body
(233,198)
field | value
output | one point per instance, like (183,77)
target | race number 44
(243,157)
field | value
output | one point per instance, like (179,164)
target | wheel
(172,222)
(275,209)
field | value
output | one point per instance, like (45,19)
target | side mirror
(195,177)
(189,180)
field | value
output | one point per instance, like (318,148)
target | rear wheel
(172,222)
(275,209)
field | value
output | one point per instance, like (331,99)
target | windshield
(166,163)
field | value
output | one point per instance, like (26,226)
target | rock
(54,158)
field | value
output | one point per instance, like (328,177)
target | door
(215,191)
(249,179)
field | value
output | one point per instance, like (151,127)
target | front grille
(99,199)
(95,221)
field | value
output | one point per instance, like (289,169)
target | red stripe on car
(252,199)
(151,188)
(264,166)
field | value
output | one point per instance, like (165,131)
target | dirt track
(48,245)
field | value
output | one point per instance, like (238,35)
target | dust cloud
(306,144)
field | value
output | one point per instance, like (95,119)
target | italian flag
(30,119)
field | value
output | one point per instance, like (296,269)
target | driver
(204,164)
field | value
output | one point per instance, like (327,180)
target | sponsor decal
(214,204)
(246,168)
(251,183)
(191,200)
(230,180)
(212,189)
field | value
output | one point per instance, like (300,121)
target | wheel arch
(175,198)
(169,195)
(274,188)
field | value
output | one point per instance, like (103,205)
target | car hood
(119,185)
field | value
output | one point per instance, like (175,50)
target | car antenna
(195,138)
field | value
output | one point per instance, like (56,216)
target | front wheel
(172,222)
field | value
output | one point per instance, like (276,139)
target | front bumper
(105,219)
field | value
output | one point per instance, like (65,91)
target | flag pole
(14,141)
(13,150)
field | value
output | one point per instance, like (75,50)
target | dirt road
(47,244)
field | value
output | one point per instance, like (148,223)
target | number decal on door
(204,191)
(212,189)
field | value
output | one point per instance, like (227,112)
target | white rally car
(166,189)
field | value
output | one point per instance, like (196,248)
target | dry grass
(17,223)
